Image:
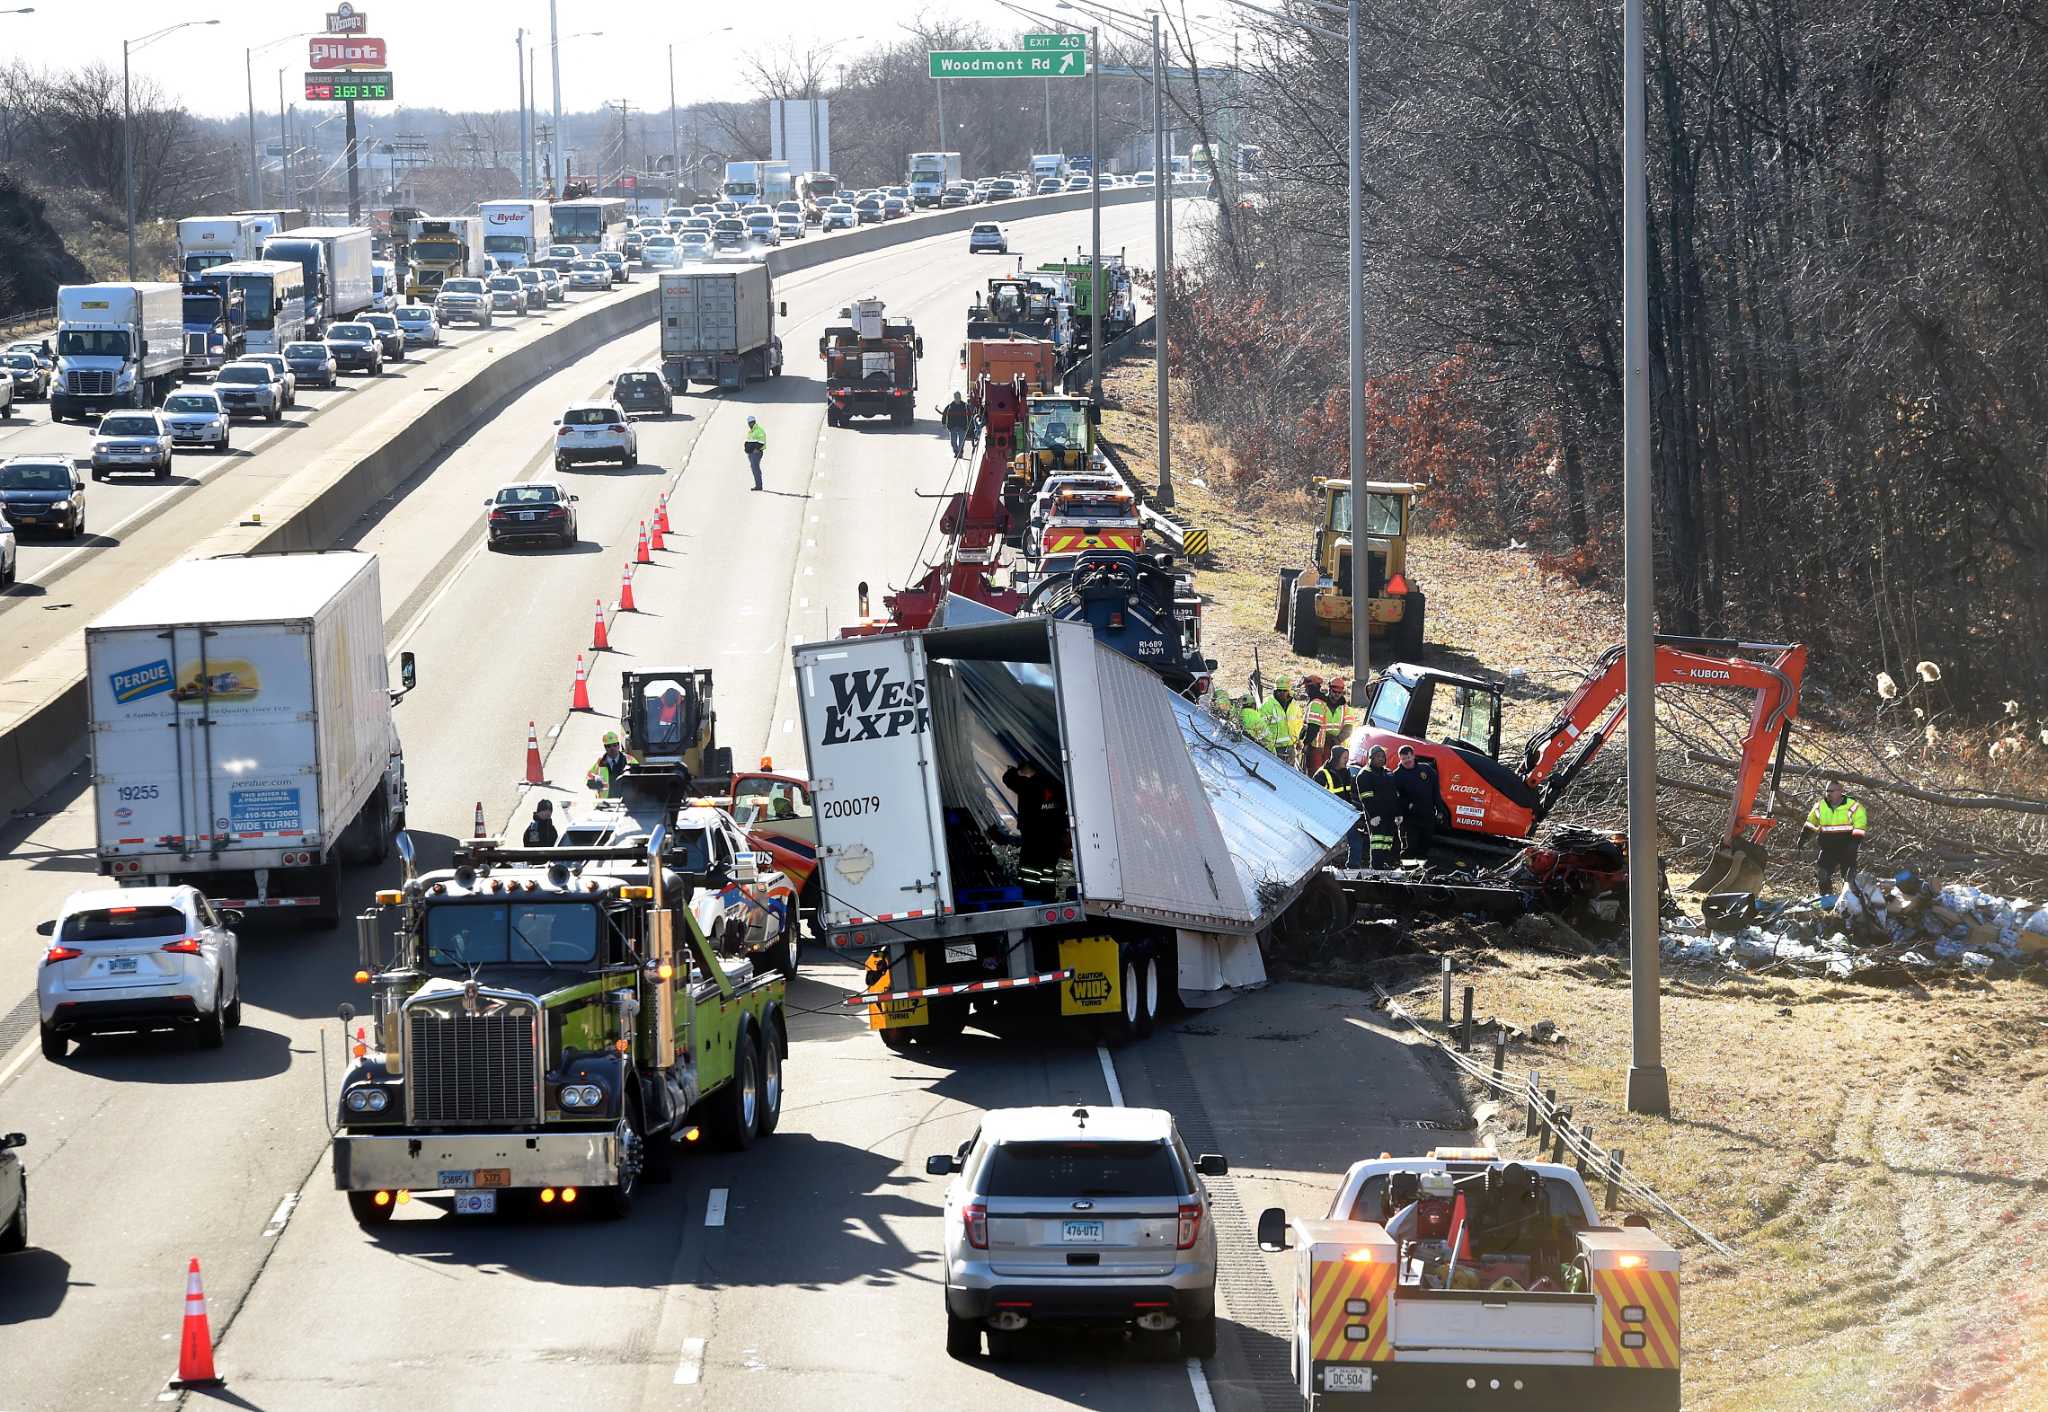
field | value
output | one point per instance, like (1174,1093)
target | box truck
(240,719)
(515,233)
(215,240)
(275,222)
(718,326)
(1012,815)
(273,300)
(118,345)
(337,262)
(930,174)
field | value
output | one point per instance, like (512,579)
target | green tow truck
(548,1024)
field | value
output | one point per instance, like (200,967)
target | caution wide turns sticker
(1097,984)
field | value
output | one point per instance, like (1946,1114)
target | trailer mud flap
(1096,987)
(897,1014)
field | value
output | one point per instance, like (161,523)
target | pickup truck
(1463,1280)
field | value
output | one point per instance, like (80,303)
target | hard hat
(611,737)
(1337,685)
(1282,684)
(1312,681)
(750,421)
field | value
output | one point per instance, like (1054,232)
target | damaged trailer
(1160,849)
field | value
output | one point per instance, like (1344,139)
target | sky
(461,56)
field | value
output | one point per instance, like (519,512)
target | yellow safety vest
(757,434)
(1846,820)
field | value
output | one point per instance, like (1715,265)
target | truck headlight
(367,1100)
(582,1096)
(60,505)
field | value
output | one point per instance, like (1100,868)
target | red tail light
(61,953)
(1398,586)
(188,947)
(501,514)
(1190,1225)
(561,431)
(975,1219)
(616,426)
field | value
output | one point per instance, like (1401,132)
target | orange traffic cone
(654,539)
(534,773)
(626,590)
(600,639)
(579,700)
(195,1341)
(640,551)
(661,514)
(479,819)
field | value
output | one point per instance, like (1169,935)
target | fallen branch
(2002,802)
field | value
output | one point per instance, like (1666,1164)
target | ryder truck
(516,233)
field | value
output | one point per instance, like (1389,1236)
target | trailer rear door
(867,725)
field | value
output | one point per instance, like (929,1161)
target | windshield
(528,495)
(128,426)
(572,222)
(527,276)
(528,933)
(758,799)
(352,333)
(202,308)
(505,244)
(22,360)
(463,286)
(242,375)
(415,314)
(437,247)
(190,402)
(92,343)
(586,417)
(314,351)
(1057,426)
(258,300)
(1076,1169)
(122,923)
(505,282)
(33,475)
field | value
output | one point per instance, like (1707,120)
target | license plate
(1347,1380)
(1081,1232)
(120,966)
(961,955)
(475,1203)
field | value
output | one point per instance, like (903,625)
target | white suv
(596,431)
(139,958)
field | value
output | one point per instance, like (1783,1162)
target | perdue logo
(867,705)
(137,682)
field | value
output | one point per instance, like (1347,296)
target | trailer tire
(1124,1026)
(896,1040)
(1149,1001)
(772,1049)
(735,1111)
(1304,634)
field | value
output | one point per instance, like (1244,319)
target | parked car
(277,364)
(251,390)
(131,441)
(621,273)
(988,235)
(356,345)
(421,324)
(198,416)
(1038,1187)
(389,335)
(465,299)
(643,390)
(138,958)
(13,1196)
(596,431)
(590,274)
(312,364)
(509,296)
(43,492)
(839,216)
(31,378)
(531,509)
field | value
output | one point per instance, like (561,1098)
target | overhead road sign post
(1056,41)
(1008,63)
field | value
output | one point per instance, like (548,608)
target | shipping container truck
(240,719)
(118,345)
(929,174)
(337,263)
(515,233)
(273,300)
(718,326)
(215,240)
(1013,817)
(216,321)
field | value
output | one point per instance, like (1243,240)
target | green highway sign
(1008,63)
(1055,41)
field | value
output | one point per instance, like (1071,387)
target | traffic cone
(626,590)
(661,514)
(654,539)
(534,773)
(195,1340)
(600,640)
(479,819)
(640,551)
(579,700)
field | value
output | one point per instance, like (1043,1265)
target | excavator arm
(1555,755)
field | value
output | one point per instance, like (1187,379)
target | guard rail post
(1465,1029)
(1579,1157)
(1614,1158)
(1557,1131)
(1500,1051)
(1447,992)
(1533,1095)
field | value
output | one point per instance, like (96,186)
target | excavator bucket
(1737,866)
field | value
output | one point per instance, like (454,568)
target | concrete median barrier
(43,711)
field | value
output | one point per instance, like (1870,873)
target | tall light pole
(1649,1086)
(675,146)
(1361,615)
(1095,210)
(1163,412)
(555,134)
(128,126)
(525,138)
(249,81)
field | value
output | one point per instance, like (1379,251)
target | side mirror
(13,1140)
(783,308)
(408,671)
(1212,1164)
(577,500)
(48,928)
(1273,1232)
(940,1165)
(347,1012)
(488,502)
(231,916)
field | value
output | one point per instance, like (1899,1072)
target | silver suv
(1078,1216)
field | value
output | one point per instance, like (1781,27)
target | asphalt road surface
(805,1272)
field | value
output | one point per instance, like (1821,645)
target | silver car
(590,274)
(138,958)
(277,364)
(251,389)
(551,281)
(13,1196)
(1078,1216)
(421,324)
(197,418)
(508,294)
(131,441)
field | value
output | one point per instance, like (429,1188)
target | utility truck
(240,720)
(718,326)
(870,365)
(118,345)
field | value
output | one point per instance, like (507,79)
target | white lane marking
(19,1060)
(1116,1090)
(808,571)
(1199,1382)
(788,726)
(690,1369)
(281,1215)
(714,1207)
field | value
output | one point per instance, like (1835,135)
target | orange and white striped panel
(1350,1295)
(1638,1316)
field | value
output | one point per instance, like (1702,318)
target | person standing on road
(1283,719)
(1317,724)
(1841,822)
(757,444)
(1380,801)
(959,420)
(1417,788)
(604,775)
(541,832)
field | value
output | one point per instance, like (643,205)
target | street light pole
(284,149)
(1164,412)
(1649,1086)
(1361,602)
(675,146)
(249,82)
(1095,210)
(525,141)
(128,128)
(555,136)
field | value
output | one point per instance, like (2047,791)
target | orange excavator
(1487,806)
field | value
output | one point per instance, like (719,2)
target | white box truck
(930,174)
(275,222)
(240,719)
(718,326)
(516,233)
(204,241)
(1011,815)
(118,345)
(337,262)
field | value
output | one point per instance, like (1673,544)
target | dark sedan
(533,509)
(356,346)
(643,390)
(43,492)
(31,376)
(311,363)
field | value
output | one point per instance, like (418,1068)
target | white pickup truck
(1460,1280)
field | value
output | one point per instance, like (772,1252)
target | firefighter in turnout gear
(1041,824)
(604,775)
(1841,823)
(1379,798)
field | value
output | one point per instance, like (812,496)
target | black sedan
(356,346)
(311,363)
(532,509)
(643,390)
(43,492)
(31,376)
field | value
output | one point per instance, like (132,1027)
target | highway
(805,1270)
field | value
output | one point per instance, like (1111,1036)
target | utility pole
(1095,209)
(1361,615)
(355,198)
(1649,1086)
(1160,187)
(555,58)
(284,149)
(938,87)
(249,81)
(525,142)
(675,147)
(1048,115)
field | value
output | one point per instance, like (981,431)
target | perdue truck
(718,326)
(516,233)
(1461,1280)
(240,720)
(1167,846)
(118,345)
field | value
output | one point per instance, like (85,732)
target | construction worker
(1380,801)
(541,832)
(1349,717)
(1041,824)
(665,718)
(1417,788)
(604,775)
(1317,724)
(757,445)
(1841,822)
(1283,719)
(1253,719)
(1336,775)
(959,420)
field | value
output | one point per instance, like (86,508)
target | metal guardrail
(33,321)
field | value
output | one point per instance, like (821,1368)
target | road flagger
(1460,1280)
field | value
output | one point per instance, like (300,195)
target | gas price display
(360,86)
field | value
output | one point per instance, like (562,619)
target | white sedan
(590,274)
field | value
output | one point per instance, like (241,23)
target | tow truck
(870,365)
(548,1024)
(1460,1280)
